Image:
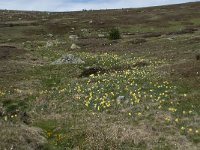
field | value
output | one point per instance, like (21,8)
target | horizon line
(100,9)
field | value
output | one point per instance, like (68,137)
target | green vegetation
(114,34)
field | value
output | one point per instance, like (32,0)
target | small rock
(101,35)
(90,22)
(170,39)
(73,37)
(49,44)
(120,98)
(84,30)
(68,59)
(74,46)
(50,35)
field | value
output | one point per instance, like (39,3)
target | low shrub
(114,34)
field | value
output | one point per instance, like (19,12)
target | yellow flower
(190,130)
(172,109)
(167,119)
(49,134)
(190,112)
(129,114)
(197,131)
(176,120)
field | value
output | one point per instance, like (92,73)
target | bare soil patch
(7,52)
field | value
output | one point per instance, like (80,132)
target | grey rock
(74,46)
(49,44)
(73,37)
(50,35)
(120,98)
(90,22)
(68,59)
(101,35)
(84,30)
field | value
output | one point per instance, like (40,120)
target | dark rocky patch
(151,34)
(7,52)
(137,41)
(93,70)
(25,118)
(183,31)
(198,57)
(141,64)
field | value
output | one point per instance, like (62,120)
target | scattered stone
(84,30)
(74,46)
(73,37)
(101,35)
(68,59)
(170,39)
(50,35)
(49,44)
(120,98)
(90,22)
(92,70)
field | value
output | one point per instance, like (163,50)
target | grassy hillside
(141,91)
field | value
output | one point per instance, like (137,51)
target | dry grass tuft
(21,137)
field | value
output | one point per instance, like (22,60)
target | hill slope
(140,91)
